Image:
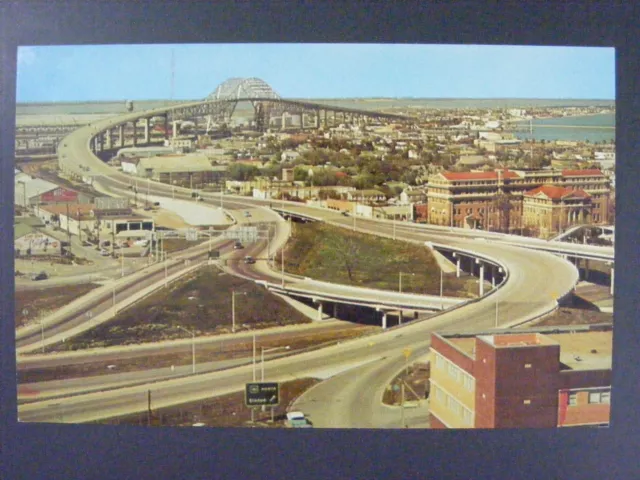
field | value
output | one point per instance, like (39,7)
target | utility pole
(148,407)
(68,230)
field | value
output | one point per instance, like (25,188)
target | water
(577,129)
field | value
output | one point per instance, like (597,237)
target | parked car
(39,276)
(104,253)
(141,243)
(247,214)
(345,213)
(249,259)
(238,246)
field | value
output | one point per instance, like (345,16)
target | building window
(439,361)
(573,399)
(453,371)
(468,382)
(527,365)
(599,397)
(527,402)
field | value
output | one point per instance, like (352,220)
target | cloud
(26,56)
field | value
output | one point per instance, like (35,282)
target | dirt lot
(200,302)
(574,316)
(416,382)
(295,340)
(224,411)
(39,303)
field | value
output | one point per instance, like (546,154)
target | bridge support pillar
(400,317)
(109,138)
(135,132)
(384,320)
(175,129)
(612,279)
(481,280)
(586,269)
(320,313)
(493,277)
(121,135)
(458,267)
(166,126)
(335,310)
(146,130)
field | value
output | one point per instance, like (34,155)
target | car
(345,213)
(249,259)
(238,246)
(39,276)
(297,420)
(104,253)
(247,214)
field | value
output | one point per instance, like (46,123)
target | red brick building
(521,379)
(471,199)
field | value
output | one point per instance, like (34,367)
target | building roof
(84,209)
(493,175)
(472,160)
(585,350)
(175,163)
(33,186)
(556,193)
(20,230)
(581,347)
(588,172)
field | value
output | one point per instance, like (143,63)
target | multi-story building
(548,209)
(520,379)
(493,200)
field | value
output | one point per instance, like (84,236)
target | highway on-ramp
(535,281)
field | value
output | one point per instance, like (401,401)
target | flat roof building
(558,377)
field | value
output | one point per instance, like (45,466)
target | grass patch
(332,254)
(171,245)
(200,302)
(38,303)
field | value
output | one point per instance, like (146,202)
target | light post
(266,350)
(400,280)
(233,309)
(115,309)
(441,288)
(193,347)
(42,334)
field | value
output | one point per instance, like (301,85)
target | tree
(343,252)
(502,204)
(241,172)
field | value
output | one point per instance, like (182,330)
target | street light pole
(266,350)
(42,334)
(441,287)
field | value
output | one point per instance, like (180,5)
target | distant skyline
(143,72)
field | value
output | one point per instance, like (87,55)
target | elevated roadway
(350,399)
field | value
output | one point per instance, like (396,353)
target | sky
(144,72)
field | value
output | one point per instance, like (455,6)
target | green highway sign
(262,393)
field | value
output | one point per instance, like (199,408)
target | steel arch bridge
(243,88)
(220,105)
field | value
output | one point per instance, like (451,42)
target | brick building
(469,199)
(548,209)
(521,379)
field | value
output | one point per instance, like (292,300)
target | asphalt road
(353,398)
